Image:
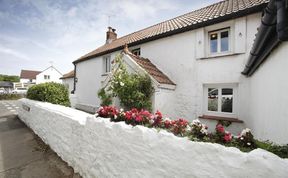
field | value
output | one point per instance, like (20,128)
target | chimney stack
(110,35)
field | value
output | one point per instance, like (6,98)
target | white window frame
(106,69)
(137,50)
(47,77)
(218,32)
(234,113)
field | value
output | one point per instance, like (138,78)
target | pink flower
(138,118)
(220,128)
(227,137)
(158,114)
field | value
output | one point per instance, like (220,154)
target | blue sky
(35,32)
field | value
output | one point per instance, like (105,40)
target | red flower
(158,114)
(167,124)
(220,128)
(138,118)
(227,137)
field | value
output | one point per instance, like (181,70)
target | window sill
(105,74)
(220,55)
(219,118)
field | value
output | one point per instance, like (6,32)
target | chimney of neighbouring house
(111,35)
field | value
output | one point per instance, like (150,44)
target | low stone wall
(96,147)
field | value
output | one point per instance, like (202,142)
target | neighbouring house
(28,76)
(201,66)
(68,80)
(51,74)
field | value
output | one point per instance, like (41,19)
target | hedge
(54,93)
(10,96)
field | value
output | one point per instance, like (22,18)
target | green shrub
(280,150)
(106,99)
(49,92)
(134,90)
(10,96)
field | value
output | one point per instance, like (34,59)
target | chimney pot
(111,35)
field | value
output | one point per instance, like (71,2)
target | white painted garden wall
(96,147)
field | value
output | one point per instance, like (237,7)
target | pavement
(22,153)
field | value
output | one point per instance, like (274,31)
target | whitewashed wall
(178,57)
(90,77)
(183,57)
(69,83)
(266,98)
(23,80)
(52,72)
(96,147)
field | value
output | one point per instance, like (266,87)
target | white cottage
(202,66)
(51,74)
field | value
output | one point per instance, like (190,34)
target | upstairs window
(219,41)
(136,52)
(107,64)
(46,77)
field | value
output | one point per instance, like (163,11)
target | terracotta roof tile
(184,22)
(29,74)
(68,75)
(151,69)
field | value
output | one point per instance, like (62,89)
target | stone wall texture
(96,147)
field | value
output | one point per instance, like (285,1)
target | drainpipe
(282,19)
(74,84)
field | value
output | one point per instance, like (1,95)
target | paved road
(22,153)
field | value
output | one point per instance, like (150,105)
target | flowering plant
(108,112)
(198,129)
(179,127)
(246,138)
(221,135)
(136,117)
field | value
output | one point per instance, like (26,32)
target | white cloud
(14,53)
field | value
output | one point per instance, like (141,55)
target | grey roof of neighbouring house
(215,13)
(4,84)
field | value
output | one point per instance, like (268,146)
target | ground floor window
(220,99)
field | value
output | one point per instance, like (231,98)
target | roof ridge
(208,15)
(169,20)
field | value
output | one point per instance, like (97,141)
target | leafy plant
(133,90)
(49,92)
(195,131)
(9,78)
(11,96)
(106,99)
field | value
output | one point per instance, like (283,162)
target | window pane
(227,100)
(224,41)
(213,43)
(107,64)
(212,99)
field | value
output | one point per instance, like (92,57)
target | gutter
(273,30)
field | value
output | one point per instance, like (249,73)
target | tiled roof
(151,69)
(29,74)
(214,13)
(68,75)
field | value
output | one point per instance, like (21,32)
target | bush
(54,93)
(133,89)
(195,131)
(11,96)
